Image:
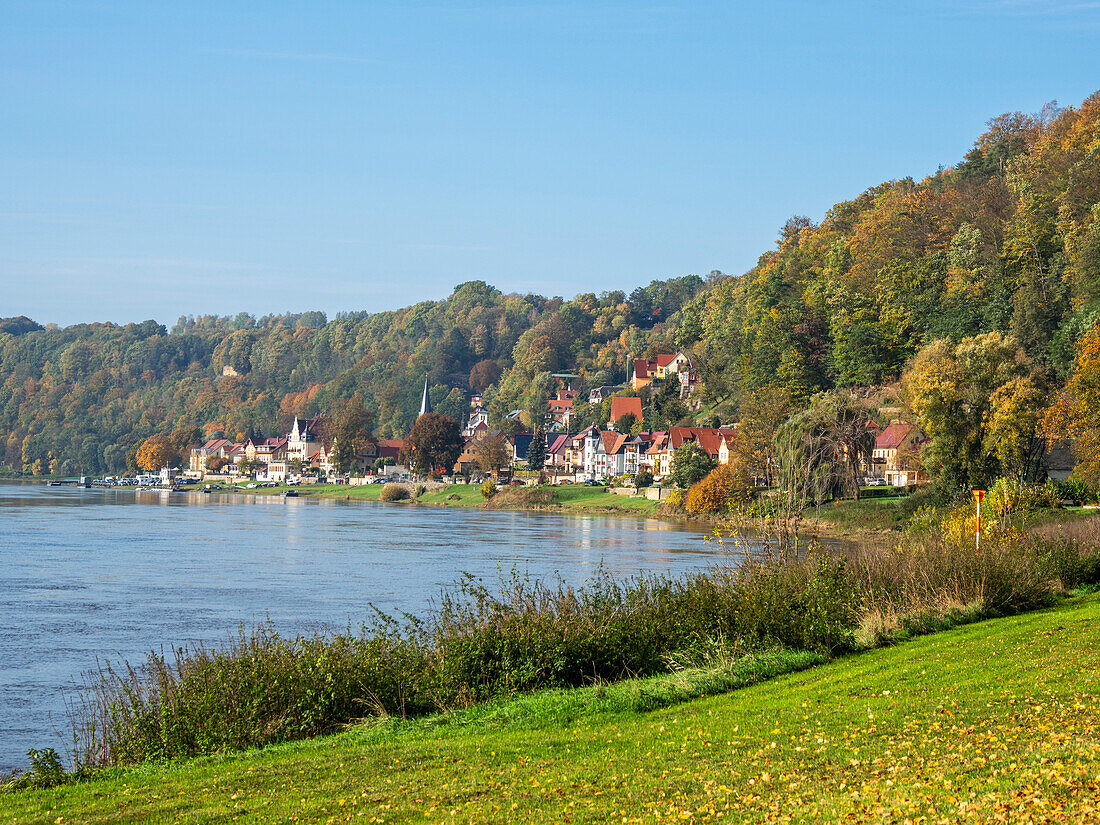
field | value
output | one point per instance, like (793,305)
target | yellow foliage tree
(723,487)
(1076,411)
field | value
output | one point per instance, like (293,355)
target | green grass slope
(997,721)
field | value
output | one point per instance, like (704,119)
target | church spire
(425,402)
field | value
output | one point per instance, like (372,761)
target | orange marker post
(978,496)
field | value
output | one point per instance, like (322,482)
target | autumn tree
(181,439)
(763,411)
(434,442)
(352,429)
(491,453)
(723,487)
(972,401)
(154,453)
(1075,412)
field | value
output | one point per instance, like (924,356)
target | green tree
(536,451)
(820,449)
(690,465)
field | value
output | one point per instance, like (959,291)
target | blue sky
(166,159)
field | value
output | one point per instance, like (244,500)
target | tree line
(966,299)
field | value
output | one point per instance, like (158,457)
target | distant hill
(1006,240)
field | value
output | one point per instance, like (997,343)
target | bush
(643,478)
(394,492)
(722,489)
(1008,497)
(488,489)
(1075,489)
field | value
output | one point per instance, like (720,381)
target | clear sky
(160,159)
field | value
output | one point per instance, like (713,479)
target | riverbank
(566,498)
(998,720)
(872,520)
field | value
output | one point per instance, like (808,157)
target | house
(304,438)
(467,461)
(478,415)
(1059,460)
(679,364)
(894,456)
(598,394)
(214,448)
(266,450)
(561,410)
(557,453)
(621,406)
(709,439)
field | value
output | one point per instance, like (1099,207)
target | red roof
(620,406)
(613,441)
(709,438)
(665,360)
(641,368)
(892,437)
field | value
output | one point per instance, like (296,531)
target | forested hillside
(1007,241)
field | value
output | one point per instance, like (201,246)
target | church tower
(425,401)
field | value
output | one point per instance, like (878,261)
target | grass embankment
(566,498)
(998,721)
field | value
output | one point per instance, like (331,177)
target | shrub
(722,488)
(643,478)
(488,489)
(394,492)
(1008,497)
(1075,489)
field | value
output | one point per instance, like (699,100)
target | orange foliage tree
(155,452)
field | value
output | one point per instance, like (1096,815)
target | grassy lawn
(364,492)
(578,497)
(998,721)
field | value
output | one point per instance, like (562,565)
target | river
(94,575)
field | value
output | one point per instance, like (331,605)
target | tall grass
(481,643)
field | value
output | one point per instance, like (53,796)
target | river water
(94,575)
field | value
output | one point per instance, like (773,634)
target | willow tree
(820,449)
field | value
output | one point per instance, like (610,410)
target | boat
(290,494)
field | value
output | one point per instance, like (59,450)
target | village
(592,455)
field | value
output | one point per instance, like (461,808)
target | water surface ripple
(89,575)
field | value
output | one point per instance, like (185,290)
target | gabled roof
(660,442)
(709,438)
(559,443)
(663,360)
(892,437)
(641,368)
(613,441)
(620,406)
